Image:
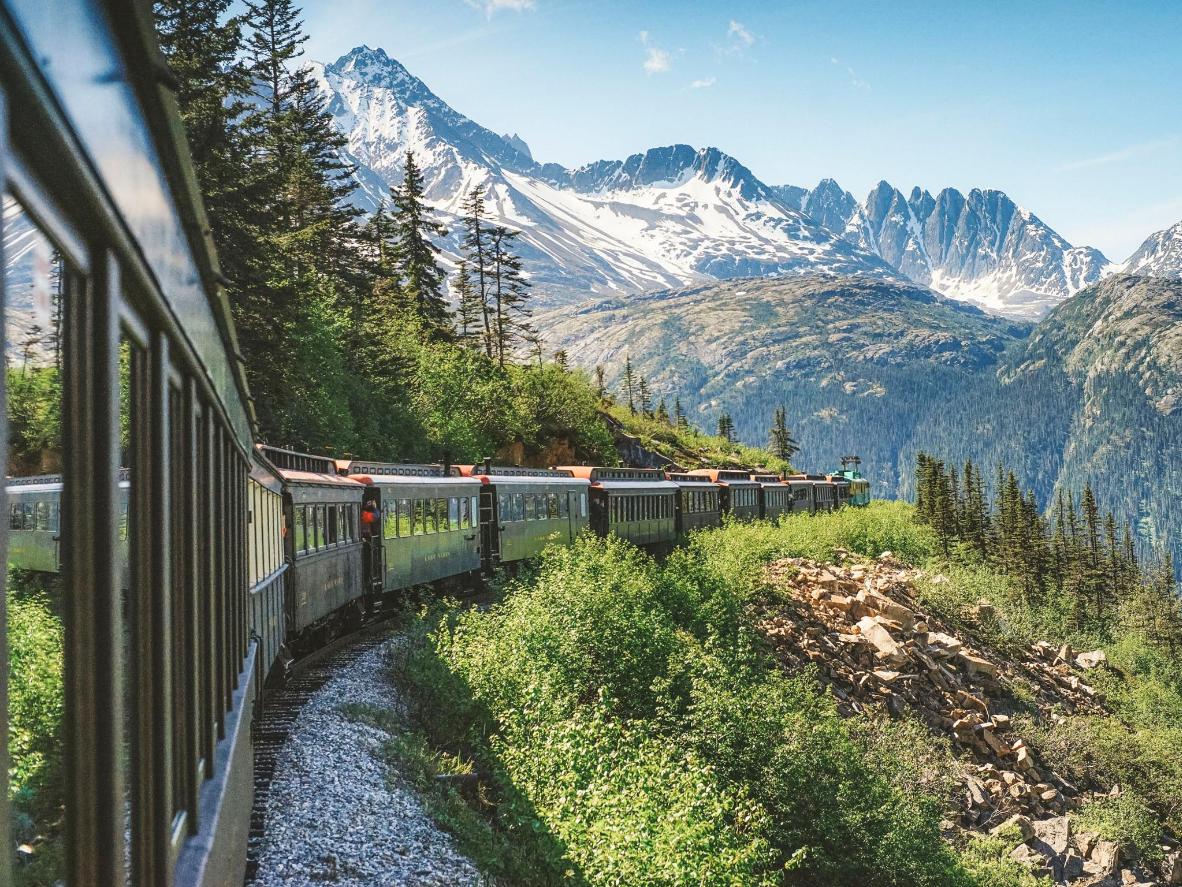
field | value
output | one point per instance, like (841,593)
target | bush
(35,709)
(1127,820)
(632,727)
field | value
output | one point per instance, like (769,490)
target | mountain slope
(1159,256)
(858,363)
(982,248)
(665,217)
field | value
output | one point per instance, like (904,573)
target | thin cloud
(491,6)
(1131,152)
(704,83)
(738,34)
(656,60)
(855,81)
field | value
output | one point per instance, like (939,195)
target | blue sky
(1074,109)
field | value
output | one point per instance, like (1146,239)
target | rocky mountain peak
(1159,256)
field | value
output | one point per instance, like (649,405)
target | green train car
(859,490)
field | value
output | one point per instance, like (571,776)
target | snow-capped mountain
(679,215)
(666,217)
(1159,256)
(982,248)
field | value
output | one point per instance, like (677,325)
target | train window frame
(404,517)
(551,506)
(465,515)
(441,516)
(518,506)
(300,540)
(563,506)
(333,528)
(475,507)
(453,512)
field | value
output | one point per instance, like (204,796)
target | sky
(1072,108)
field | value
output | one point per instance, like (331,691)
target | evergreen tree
(663,412)
(509,294)
(415,254)
(561,358)
(477,251)
(468,313)
(645,399)
(780,439)
(679,418)
(726,427)
(630,385)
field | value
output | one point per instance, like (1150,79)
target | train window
(518,506)
(505,508)
(475,510)
(441,515)
(465,515)
(16,522)
(563,505)
(301,537)
(429,516)
(551,506)
(405,518)
(453,513)
(332,527)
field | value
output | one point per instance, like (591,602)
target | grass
(691,447)
(629,727)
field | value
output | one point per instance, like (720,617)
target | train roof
(814,478)
(292,460)
(413,480)
(598,473)
(684,477)
(731,477)
(766,478)
(515,471)
(637,486)
(404,469)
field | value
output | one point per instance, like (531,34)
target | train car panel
(636,504)
(429,527)
(738,492)
(34,522)
(324,545)
(775,496)
(533,508)
(698,502)
(267,565)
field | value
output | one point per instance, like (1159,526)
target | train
(347,536)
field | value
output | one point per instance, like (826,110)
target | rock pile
(862,627)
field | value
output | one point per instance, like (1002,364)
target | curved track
(282,709)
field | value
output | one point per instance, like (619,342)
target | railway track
(281,709)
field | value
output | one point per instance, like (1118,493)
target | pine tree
(679,418)
(630,385)
(663,412)
(415,254)
(726,427)
(477,253)
(780,439)
(562,359)
(645,399)
(509,294)
(468,312)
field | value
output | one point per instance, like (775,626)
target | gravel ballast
(336,814)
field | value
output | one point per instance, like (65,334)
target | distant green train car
(859,487)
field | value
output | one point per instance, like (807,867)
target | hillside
(825,701)
(858,363)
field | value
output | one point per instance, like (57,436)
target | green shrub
(987,862)
(1127,820)
(35,709)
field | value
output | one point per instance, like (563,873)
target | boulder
(1051,836)
(1091,660)
(975,665)
(878,635)
(1104,859)
(1173,868)
(1017,821)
